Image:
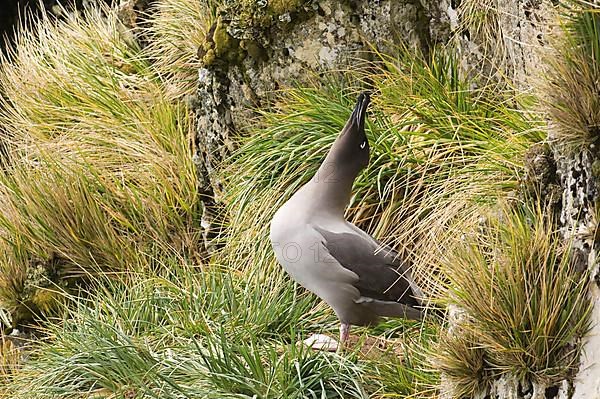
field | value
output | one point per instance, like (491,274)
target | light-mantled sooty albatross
(356,275)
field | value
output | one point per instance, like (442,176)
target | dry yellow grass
(524,300)
(176,30)
(9,360)
(88,120)
(570,89)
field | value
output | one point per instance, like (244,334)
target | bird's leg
(344,333)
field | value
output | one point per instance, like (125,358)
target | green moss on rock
(40,291)
(251,20)
(220,46)
(280,7)
(243,29)
(596,170)
(253,49)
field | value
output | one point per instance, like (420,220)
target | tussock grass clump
(176,30)
(461,360)
(406,370)
(477,15)
(86,118)
(262,370)
(524,298)
(187,334)
(481,18)
(482,22)
(572,83)
(454,149)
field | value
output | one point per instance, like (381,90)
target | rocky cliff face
(579,224)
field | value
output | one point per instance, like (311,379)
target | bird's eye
(363,145)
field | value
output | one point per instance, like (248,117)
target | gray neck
(331,188)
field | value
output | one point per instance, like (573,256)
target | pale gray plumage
(357,276)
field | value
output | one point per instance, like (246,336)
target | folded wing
(381,275)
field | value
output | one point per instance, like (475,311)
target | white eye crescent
(363,145)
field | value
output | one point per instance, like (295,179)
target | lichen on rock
(244,28)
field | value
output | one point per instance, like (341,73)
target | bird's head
(350,151)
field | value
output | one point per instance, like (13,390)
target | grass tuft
(170,336)
(176,30)
(10,359)
(482,19)
(482,22)
(405,370)
(462,362)
(572,82)
(525,301)
(86,118)
(258,369)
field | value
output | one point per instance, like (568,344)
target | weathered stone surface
(586,384)
(579,221)
(442,19)
(540,179)
(507,40)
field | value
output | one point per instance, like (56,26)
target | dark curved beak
(360,111)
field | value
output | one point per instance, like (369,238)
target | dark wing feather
(381,274)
